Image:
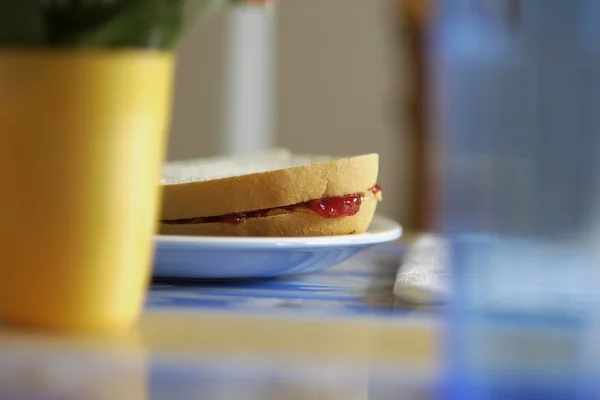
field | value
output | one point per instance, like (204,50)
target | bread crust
(269,190)
(296,223)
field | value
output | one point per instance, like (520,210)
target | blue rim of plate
(382,230)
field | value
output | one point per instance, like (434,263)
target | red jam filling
(335,207)
(326,207)
(375,189)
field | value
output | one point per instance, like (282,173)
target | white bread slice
(211,168)
(225,185)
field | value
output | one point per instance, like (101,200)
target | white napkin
(423,274)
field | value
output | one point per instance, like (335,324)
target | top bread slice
(224,185)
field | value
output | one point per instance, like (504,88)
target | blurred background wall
(339,87)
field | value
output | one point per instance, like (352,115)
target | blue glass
(517,113)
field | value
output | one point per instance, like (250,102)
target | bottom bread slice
(295,223)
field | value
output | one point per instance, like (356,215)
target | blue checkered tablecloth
(361,286)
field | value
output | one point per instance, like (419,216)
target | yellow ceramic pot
(82,137)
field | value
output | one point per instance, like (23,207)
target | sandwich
(274,193)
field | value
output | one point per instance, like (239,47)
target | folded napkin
(423,274)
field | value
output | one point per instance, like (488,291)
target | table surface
(337,333)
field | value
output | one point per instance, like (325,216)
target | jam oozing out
(335,207)
(375,189)
(326,207)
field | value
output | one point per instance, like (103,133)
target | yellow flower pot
(82,138)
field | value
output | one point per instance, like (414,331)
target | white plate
(211,257)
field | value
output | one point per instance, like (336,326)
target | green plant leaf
(157,24)
(117,23)
(21,23)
